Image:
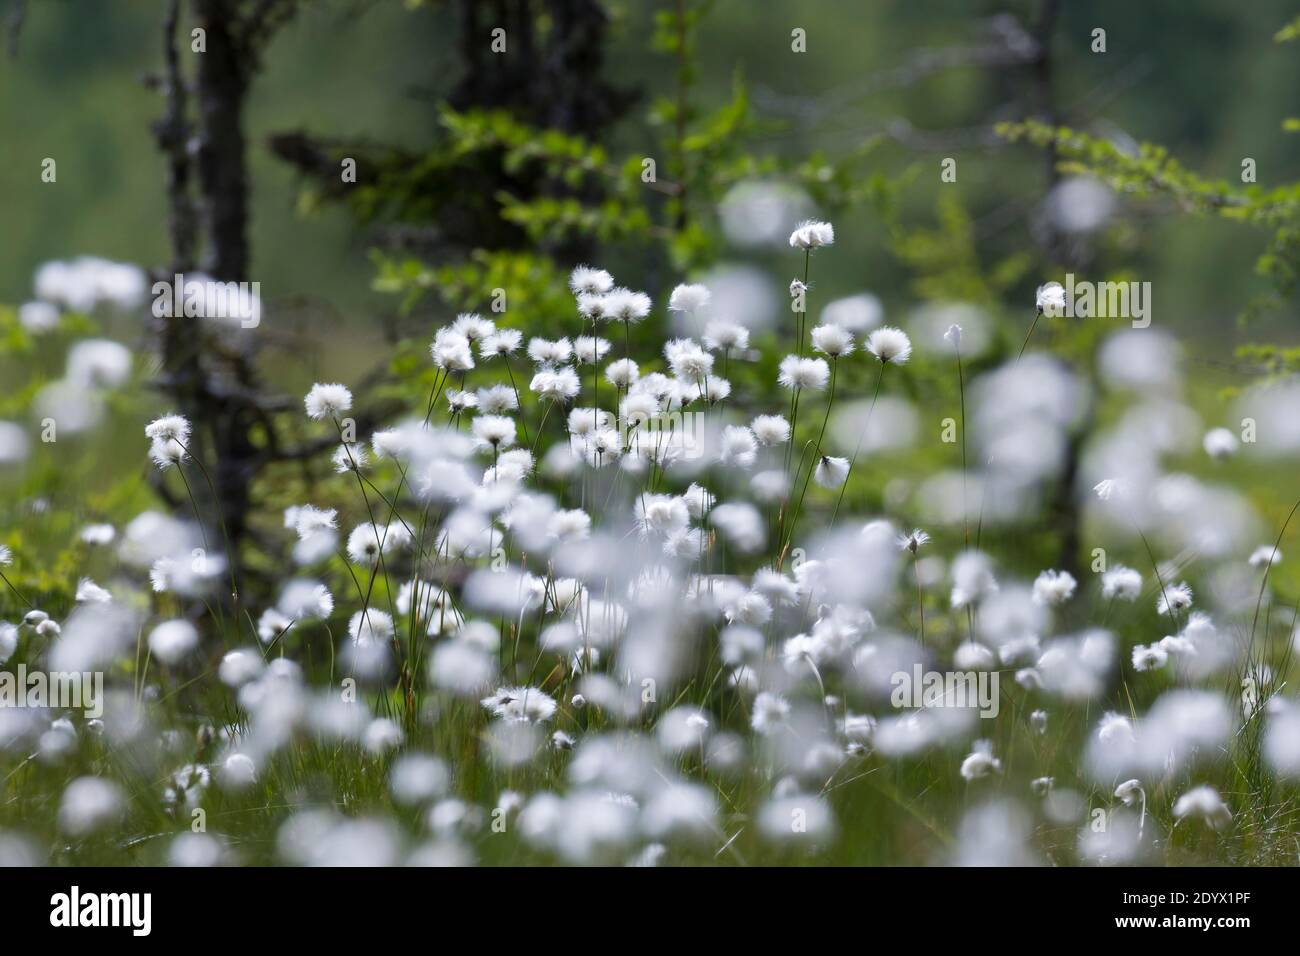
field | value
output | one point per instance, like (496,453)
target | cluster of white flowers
(637,609)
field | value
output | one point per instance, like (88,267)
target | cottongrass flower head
(1108,488)
(980,763)
(98,534)
(473,326)
(687,359)
(1149,657)
(500,343)
(1175,598)
(520,704)
(589,349)
(1203,803)
(622,374)
(461,400)
(803,373)
(1264,556)
(167,453)
(559,385)
(1054,588)
(304,598)
(1121,583)
(90,804)
(547,353)
(626,306)
(770,429)
(1129,792)
(831,471)
(450,350)
(712,389)
(327,401)
(88,592)
(1219,443)
(171,641)
(99,363)
(370,627)
(738,447)
(1049,299)
(169,428)
(689,298)
(832,340)
(726,335)
(588,280)
(493,431)
(366,544)
(350,457)
(912,542)
(812,235)
(496,399)
(889,345)
(769,712)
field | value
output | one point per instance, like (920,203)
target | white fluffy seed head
(832,340)
(812,235)
(327,400)
(890,345)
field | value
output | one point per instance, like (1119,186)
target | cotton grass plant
(622,615)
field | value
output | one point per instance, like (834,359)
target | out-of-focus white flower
(90,804)
(1049,299)
(1054,588)
(1130,792)
(689,298)
(98,534)
(1203,803)
(622,374)
(239,667)
(1219,443)
(559,385)
(739,447)
(1121,583)
(980,762)
(99,363)
(769,712)
(171,641)
(1264,555)
(726,335)
(90,592)
(770,429)
(38,317)
(1149,657)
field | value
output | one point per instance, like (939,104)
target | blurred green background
(1201,76)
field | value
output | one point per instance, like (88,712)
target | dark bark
(223,181)
(551,82)
(212,379)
